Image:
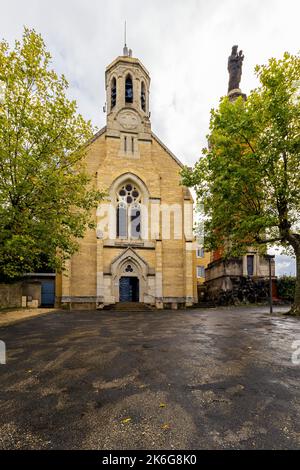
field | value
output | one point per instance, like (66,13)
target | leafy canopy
(46,197)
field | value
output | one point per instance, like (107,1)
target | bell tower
(127,85)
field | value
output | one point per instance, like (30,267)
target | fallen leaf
(165,426)
(125,420)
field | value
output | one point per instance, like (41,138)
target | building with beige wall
(244,278)
(143,247)
(203,258)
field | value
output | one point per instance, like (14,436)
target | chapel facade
(142,249)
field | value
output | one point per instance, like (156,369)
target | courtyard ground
(219,379)
(15,315)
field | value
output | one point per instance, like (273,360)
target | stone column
(99,272)
(188,220)
(66,283)
(255,264)
(189,275)
(245,273)
(136,91)
(158,275)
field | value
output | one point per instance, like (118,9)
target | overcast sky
(184,44)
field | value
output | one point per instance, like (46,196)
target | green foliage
(46,198)
(286,287)
(248,177)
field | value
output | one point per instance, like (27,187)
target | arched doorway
(129,277)
(129,290)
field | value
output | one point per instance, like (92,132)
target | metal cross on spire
(125,48)
(126,52)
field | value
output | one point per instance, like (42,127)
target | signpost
(270,257)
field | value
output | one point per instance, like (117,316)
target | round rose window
(129,194)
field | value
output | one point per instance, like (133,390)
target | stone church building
(143,247)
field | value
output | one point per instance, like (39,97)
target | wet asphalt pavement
(216,378)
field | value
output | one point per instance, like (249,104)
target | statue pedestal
(235,93)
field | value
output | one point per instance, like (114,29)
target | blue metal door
(125,292)
(48,293)
(129,289)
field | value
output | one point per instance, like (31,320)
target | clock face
(128,120)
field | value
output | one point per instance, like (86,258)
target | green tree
(249,176)
(46,198)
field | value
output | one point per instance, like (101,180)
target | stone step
(206,304)
(131,307)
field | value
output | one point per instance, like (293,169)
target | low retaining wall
(11,295)
(231,290)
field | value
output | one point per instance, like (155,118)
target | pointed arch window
(143,96)
(113,88)
(122,220)
(128,211)
(135,220)
(128,89)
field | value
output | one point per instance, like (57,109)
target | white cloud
(184,45)
(285,266)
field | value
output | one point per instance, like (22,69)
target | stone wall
(230,290)
(33,290)
(218,269)
(227,281)
(10,295)
(263,267)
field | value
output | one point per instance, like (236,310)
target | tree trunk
(295,310)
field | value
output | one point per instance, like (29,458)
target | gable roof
(95,136)
(130,253)
(154,136)
(167,150)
